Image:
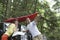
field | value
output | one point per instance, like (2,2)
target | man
(32,27)
(11,28)
(23,29)
(1,32)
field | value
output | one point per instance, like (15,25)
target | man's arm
(28,20)
(36,18)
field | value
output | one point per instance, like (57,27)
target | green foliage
(1,12)
(48,23)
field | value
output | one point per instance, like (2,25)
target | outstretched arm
(28,20)
(36,18)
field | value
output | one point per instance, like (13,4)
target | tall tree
(56,6)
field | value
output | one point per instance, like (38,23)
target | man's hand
(28,20)
(25,31)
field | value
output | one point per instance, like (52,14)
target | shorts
(38,37)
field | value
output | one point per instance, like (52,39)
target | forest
(49,21)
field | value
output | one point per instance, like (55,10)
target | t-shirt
(32,27)
(23,28)
(10,29)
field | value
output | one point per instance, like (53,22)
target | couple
(31,26)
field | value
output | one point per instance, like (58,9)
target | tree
(56,6)
(48,22)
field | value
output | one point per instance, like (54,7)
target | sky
(51,3)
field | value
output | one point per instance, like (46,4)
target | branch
(35,6)
(47,20)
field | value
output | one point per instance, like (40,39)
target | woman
(11,28)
